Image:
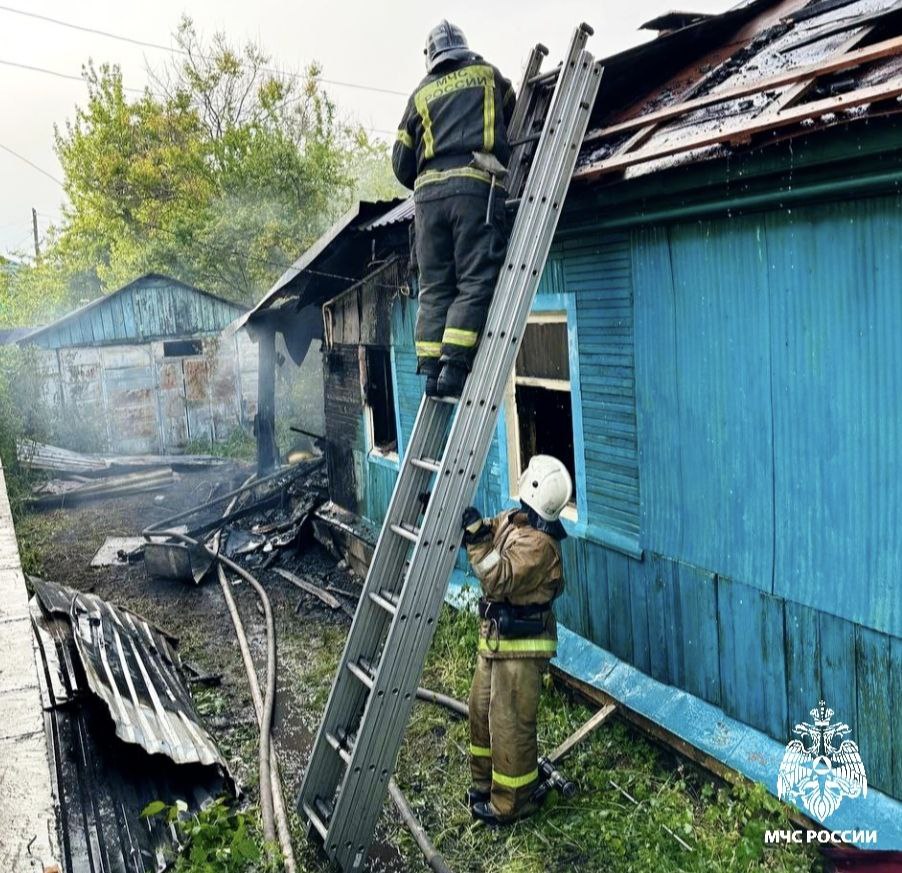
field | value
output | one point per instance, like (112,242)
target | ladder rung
(361,674)
(336,744)
(381,599)
(409,534)
(545,78)
(530,137)
(453,401)
(426,464)
(316,821)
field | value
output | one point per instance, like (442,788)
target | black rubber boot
(474,796)
(485,812)
(451,380)
(430,371)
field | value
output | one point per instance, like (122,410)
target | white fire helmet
(546,486)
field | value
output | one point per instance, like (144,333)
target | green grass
(240,446)
(599,829)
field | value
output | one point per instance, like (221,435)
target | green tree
(219,174)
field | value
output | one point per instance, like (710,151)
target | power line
(32,164)
(178,51)
(58,74)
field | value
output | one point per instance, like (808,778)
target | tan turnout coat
(520,565)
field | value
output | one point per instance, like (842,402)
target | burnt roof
(778,65)
(674,20)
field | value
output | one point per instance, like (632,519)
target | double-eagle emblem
(816,771)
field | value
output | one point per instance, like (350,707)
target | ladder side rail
(404,647)
(536,108)
(346,697)
(421,567)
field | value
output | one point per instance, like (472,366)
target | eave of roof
(363,215)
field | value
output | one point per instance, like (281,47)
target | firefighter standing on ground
(452,146)
(517,559)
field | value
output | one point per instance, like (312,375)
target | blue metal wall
(151,307)
(761,463)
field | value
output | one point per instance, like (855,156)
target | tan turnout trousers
(522,566)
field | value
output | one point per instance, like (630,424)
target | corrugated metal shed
(151,307)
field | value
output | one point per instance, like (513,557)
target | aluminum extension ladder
(357,744)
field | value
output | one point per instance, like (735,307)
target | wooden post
(34,228)
(265,425)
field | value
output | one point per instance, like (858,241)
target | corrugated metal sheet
(101,783)
(133,669)
(598,270)
(152,306)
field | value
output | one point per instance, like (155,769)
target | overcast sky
(370,43)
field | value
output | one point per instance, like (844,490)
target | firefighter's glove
(475,529)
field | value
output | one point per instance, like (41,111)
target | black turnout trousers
(459,257)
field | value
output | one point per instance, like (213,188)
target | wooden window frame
(512,418)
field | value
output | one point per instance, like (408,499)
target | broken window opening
(540,402)
(380,401)
(183,348)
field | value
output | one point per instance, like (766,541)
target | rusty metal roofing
(132,667)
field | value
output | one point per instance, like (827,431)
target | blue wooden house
(715,351)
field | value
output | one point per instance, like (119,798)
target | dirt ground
(59,545)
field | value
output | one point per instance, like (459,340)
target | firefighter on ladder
(451,149)
(517,558)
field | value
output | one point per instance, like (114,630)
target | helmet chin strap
(552,528)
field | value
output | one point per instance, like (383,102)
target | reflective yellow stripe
(480,751)
(488,118)
(429,350)
(431,176)
(528,644)
(405,139)
(454,336)
(514,781)
(475,76)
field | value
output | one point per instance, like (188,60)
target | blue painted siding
(703,389)
(151,307)
(767,358)
(765,456)
(835,279)
(598,272)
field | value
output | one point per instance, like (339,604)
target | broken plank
(309,587)
(596,721)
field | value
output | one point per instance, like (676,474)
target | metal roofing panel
(101,783)
(131,666)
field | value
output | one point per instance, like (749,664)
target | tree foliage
(219,174)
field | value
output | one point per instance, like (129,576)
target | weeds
(599,829)
(217,839)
